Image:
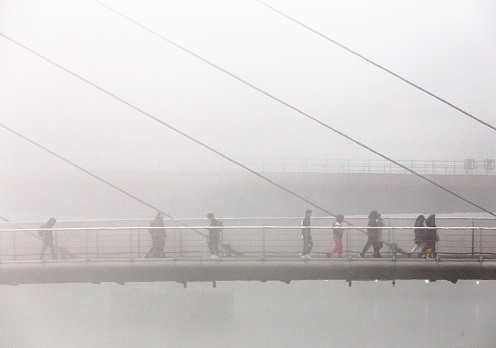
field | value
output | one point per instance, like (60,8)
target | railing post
(389,236)
(130,243)
(263,243)
(181,242)
(222,253)
(473,239)
(56,244)
(139,244)
(480,241)
(393,237)
(14,253)
(347,243)
(98,243)
(87,238)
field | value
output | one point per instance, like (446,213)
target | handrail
(131,242)
(322,165)
(225,227)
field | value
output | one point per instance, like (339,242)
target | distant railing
(260,242)
(435,167)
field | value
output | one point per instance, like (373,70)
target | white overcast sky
(447,47)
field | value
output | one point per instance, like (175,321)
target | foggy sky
(447,47)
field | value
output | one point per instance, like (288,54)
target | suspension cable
(230,159)
(289,106)
(106,182)
(164,124)
(80,168)
(377,65)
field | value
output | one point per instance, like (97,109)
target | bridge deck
(206,270)
(261,249)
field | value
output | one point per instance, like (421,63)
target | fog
(316,314)
(447,47)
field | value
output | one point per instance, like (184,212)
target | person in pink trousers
(337,235)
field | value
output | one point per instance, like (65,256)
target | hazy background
(252,314)
(448,47)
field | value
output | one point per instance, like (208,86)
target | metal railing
(435,167)
(260,242)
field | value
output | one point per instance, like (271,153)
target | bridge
(253,249)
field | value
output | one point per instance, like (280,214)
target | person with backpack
(158,237)
(419,232)
(431,237)
(46,235)
(214,236)
(374,234)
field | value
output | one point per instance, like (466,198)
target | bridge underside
(206,270)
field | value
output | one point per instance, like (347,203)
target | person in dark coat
(374,235)
(46,235)
(419,232)
(431,237)
(213,236)
(158,237)
(306,234)
(337,235)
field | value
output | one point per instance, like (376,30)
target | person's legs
(43,249)
(216,248)
(377,247)
(149,253)
(366,247)
(213,245)
(52,250)
(429,249)
(339,246)
(305,243)
(309,245)
(160,251)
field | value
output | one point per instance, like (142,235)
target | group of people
(337,233)
(159,235)
(374,235)
(425,236)
(157,232)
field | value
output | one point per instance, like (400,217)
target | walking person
(431,237)
(374,234)
(46,235)
(306,235)
(337,235)
(213,236)
(158,237)
(419,234)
